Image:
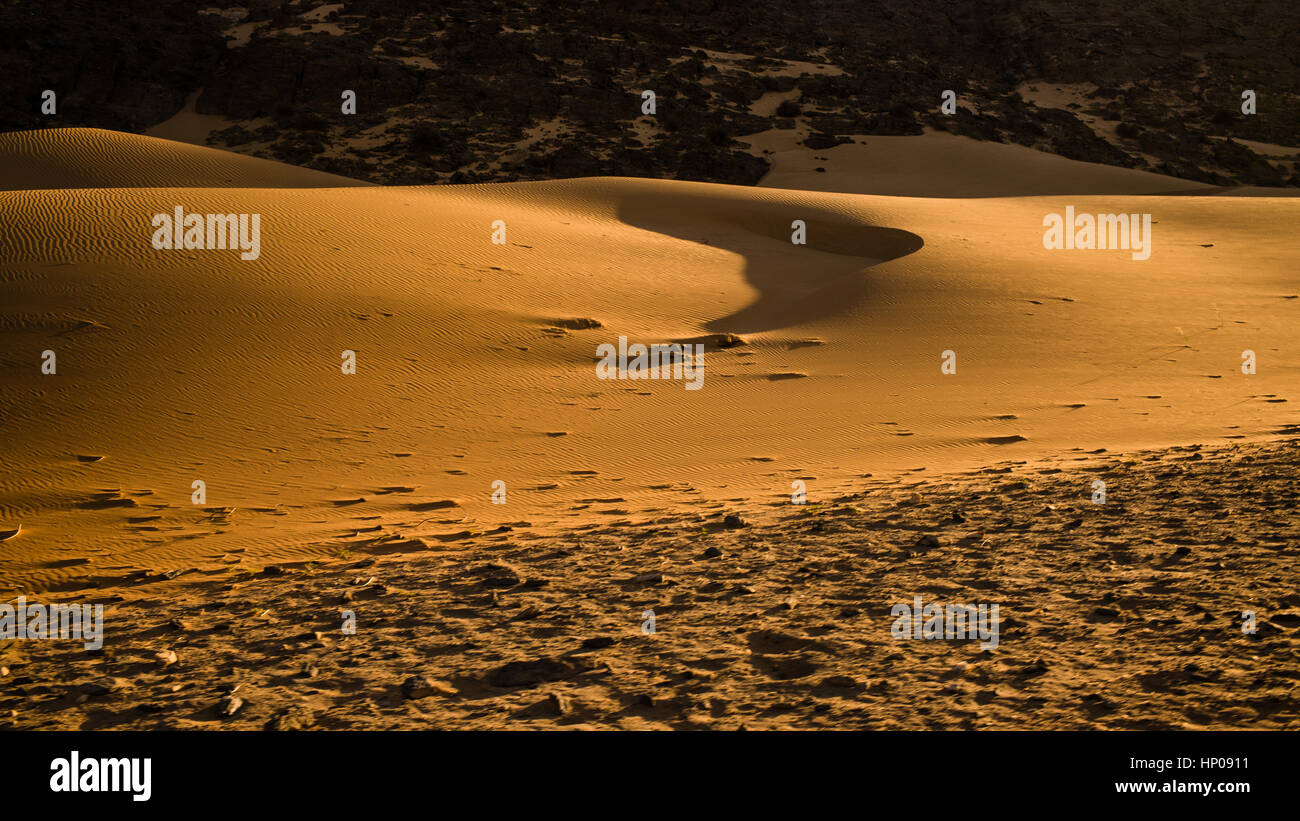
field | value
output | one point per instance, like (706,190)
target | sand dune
(95,158)
(938,164)
(177,366)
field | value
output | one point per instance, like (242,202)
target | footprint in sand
(434,505)
(811,342)
(1004,440)
(106,499)
(576,324)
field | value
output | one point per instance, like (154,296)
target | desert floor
(372,491)
(1121,615)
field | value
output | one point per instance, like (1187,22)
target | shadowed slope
(796,283)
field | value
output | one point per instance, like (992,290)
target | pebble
(229,705)
(560,704)
(422,687)
(289,719)
(927,542)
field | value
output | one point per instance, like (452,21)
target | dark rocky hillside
(478,90)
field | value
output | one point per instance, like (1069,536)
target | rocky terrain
(480,91)
(1120,615)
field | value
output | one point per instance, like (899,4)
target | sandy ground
(476,367)
(1120,615)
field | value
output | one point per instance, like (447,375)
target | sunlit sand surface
(177,366)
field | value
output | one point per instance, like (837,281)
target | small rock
(166,657)
(712,553)
(597,643)
(532,611)
(733,522)
(423,687)
(927,542)
(290,719)
(653,577)
(229,705)
(559,703)
(497,575)
(528,672)
(1035,668)
(102,687)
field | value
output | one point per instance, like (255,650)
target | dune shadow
(796,283)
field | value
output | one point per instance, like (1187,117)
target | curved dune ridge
(96,158)
(476,360)
(939,164)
